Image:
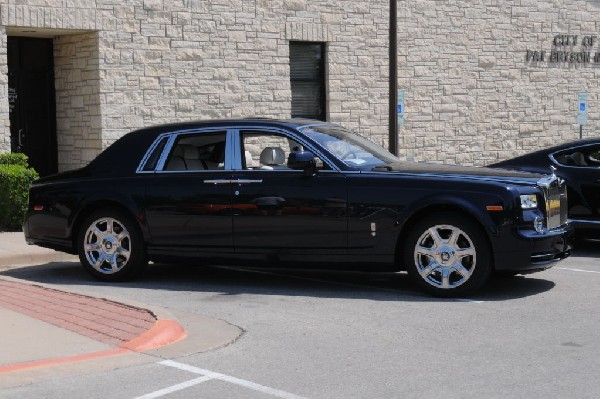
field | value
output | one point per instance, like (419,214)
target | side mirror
(303,160)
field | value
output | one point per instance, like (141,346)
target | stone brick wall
(4,107)
(471,94)
(77,85)
(230,59)
(163,61)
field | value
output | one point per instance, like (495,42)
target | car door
(281,215)
(188,199)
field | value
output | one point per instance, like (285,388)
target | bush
(15,178)
(15,158)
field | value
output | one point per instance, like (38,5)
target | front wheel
(110,246)
(447,255)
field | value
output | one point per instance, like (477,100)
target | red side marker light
(38,207)
(494,208)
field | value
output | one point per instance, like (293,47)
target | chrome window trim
(233,148)
(165,154)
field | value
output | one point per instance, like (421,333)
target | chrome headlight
(529,201)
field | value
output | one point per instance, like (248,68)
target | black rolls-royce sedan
(296,194)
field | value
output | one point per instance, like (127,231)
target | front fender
(472,203)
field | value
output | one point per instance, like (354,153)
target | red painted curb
(164,332)
(61,360)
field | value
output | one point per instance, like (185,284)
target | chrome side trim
(584,221)
(236,181)
(219,181)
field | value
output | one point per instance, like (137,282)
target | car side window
(197,152)
(263,150)
(583,156)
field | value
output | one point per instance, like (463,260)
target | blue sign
(400,108)
(582,109)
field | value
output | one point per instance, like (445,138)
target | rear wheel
(447,255)
(110,246)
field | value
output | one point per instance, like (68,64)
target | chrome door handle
(219,181)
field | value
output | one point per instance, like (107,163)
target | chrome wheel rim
(107,245)
(445,256)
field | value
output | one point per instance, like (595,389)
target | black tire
(455,262)
(115,253)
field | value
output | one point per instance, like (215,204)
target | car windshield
(350,148)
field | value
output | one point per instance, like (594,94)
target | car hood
(508,176)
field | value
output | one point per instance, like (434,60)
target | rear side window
(195,152)
(152,160)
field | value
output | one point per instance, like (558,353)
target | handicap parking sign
(582,110)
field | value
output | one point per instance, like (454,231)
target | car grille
(555,197)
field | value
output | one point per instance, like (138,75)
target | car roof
(291,123)
(124,155)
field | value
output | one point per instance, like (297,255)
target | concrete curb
(153,340)
(108,321)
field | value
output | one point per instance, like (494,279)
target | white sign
(582,108)
(401,108)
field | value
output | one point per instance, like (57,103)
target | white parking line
(211,375)
(578,270)
(175,388)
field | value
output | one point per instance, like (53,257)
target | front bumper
(526,251)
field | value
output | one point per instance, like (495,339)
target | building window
(307,77)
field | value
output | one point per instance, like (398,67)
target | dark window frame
(322,78)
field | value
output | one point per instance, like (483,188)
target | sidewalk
(42,326)
(15,251)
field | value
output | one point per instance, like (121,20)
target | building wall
(163,61)
(4,107)
(471,94)
(77,85)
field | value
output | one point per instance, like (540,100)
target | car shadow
(586,248)
(233,281)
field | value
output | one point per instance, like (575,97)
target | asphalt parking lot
(346,335)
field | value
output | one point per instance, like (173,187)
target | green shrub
(15,179)
(15,158)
